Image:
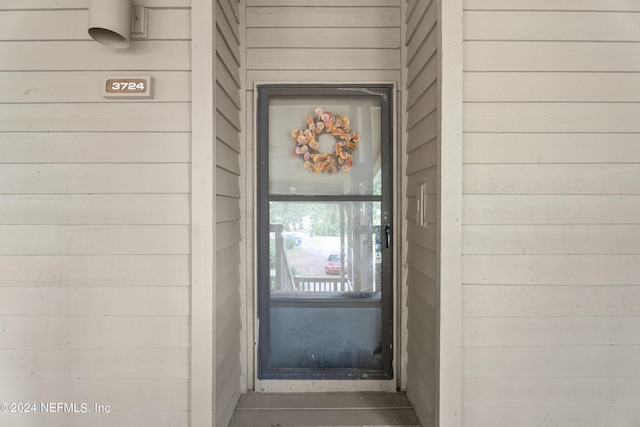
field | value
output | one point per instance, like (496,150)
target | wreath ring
(307,146)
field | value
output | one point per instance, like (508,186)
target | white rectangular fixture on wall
(139,24)
(421,204)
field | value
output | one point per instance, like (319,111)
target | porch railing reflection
(322,284)
(314,284)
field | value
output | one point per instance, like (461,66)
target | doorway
(325,237)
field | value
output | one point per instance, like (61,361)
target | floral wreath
(307,146)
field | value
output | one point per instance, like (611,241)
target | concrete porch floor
(324,409)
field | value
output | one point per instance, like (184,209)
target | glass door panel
(287,174)
(325,293)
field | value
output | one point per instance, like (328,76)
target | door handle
(387,233)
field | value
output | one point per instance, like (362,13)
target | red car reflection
(332,265)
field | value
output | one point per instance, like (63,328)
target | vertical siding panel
(228,126)
(421,111)
(94,214)
(551,159)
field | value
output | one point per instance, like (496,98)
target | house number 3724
(127,87)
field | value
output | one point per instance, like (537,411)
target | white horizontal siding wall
(94,218)
(551,243)
(297,41)
(228,236)
(422,137)
(336,41)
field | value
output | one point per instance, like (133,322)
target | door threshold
(325,409)
(324,386)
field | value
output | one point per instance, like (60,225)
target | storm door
(324,232)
